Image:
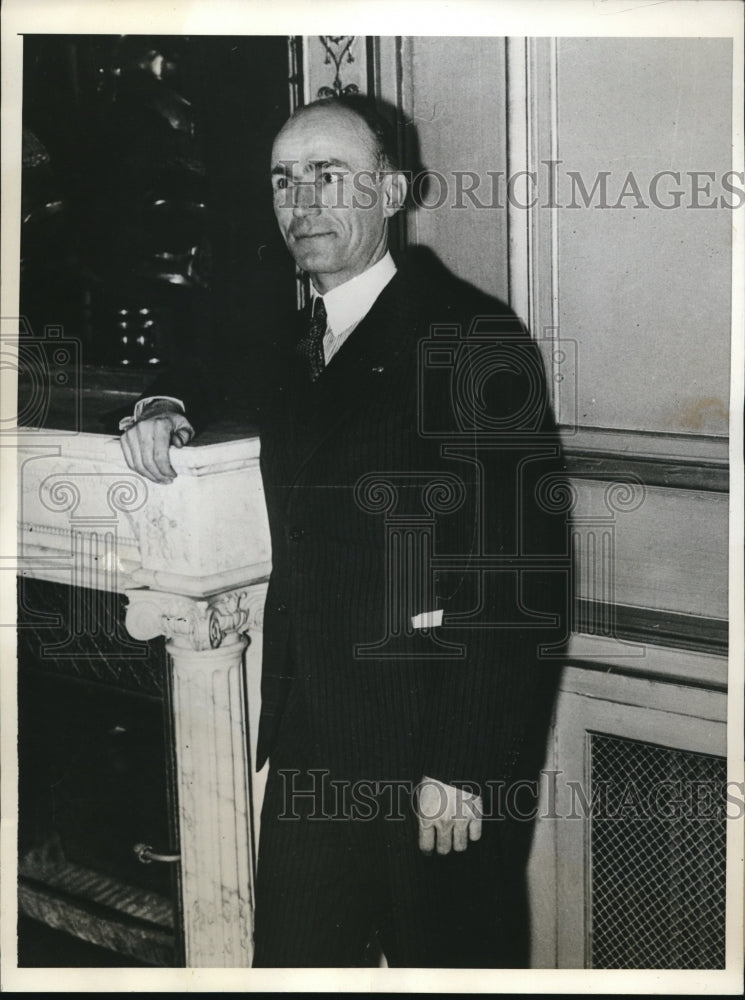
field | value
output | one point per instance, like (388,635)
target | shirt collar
(347,304)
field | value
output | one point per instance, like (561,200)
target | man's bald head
(382,132)
(335,189)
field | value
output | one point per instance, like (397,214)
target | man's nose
(305,197)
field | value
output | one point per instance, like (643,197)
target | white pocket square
(427,619)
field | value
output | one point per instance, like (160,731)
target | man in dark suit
(418,586)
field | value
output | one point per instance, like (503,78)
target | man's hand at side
(147,441)
(449,817)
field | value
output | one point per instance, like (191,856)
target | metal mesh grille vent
(657,856)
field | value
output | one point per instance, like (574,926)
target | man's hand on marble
(146,443)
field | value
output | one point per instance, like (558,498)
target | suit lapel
(354,373)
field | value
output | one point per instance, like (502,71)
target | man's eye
(280,184)
(329,178)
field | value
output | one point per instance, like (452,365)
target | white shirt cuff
(142,403)
(126,422)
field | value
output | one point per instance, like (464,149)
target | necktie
(311,346)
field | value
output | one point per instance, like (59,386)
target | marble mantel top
(86,519)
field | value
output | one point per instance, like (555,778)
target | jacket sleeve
(235,386)
(486,713)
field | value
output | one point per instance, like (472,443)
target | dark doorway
(147,226)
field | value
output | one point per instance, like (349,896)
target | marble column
(211,656)
(193,557)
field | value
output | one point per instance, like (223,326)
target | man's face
(331,205)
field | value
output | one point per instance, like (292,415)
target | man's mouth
(308,236)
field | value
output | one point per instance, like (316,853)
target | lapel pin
(378,369)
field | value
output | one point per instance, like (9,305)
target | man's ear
(395,187)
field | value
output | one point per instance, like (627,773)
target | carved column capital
(195,623)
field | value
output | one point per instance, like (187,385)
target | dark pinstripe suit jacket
(412,476)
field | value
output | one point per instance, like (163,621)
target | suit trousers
(341,877)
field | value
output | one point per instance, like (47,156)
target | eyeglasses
(326,186)
(285,187)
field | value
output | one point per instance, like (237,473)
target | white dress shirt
(348,304)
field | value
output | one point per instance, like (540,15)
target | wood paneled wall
(630,304)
